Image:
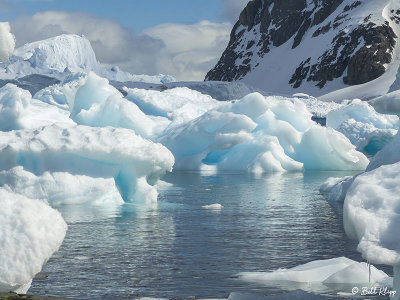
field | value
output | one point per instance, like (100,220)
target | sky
(182,38)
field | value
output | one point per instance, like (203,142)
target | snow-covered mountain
(61,55)
(314,47)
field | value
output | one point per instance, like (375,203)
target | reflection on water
(178,249)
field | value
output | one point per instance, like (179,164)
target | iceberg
(260,135)
(388,103)
(371,208)
(336,188)
(96,103)
(62,188)
(14,102)
(19,111)
(179,104)
(371,216)
(62,56)
(61,94)
(30,232)
(368,130)
(135,164)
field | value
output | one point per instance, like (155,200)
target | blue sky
(182,38)
(134,14)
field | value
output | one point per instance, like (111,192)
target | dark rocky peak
(357,50)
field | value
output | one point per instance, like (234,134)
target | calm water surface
(178,249)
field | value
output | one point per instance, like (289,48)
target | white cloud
(191,50)
(231,9)
(184,51)
(7,41)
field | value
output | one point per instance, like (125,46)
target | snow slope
(304,53)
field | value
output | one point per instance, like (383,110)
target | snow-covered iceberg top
(55,54)
(30,232)
(62,55)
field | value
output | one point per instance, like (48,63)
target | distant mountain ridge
(312,46)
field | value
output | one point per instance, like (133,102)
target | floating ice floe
(368,130)
(215,206)
(30,232)
(135,164)
(320,275)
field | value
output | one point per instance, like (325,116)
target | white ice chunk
(133,162)
(62,188)
(62,94)
(339,270)
(361,111)
(56,54)
(388,103)
(372,216)
(316,107)
(336,188)
(19,111)
(323,148)
(368,130)
(180,102)
(13,104)
(96,103)
(61,56)
(366,137)
(30,232)
(260,135)
(215,206)
(388,155)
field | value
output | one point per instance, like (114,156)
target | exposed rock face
(358,44)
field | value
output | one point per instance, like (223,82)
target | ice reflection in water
(178,249)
